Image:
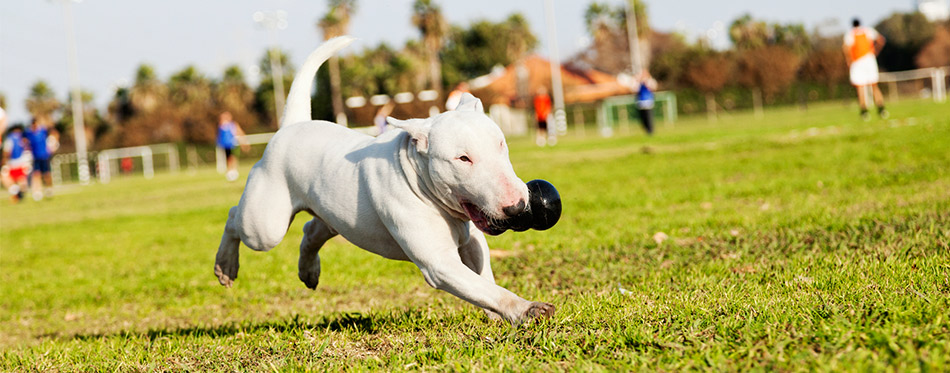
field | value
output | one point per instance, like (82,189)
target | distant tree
(906,34)
(610,47)
(381,70)
(474,51)
(749,33)
(42,102)
(148,92)
(190,93)
(670,53)
(427,17)
(793,36)
(709,72)
(826,65)
(264,94)
(336,23)
(518,38)
(232,94)
(93,122)
(771,69)
(141,114)
(937,52)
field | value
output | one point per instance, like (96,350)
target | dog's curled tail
(298,100)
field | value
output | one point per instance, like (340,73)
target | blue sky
(115,36)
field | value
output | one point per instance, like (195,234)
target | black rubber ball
(545,204)
(544,210)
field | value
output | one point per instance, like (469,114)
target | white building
(934,10)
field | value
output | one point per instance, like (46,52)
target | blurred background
(161,72)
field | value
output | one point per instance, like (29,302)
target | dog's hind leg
(260,220)
(315,234)
(227,261)
(265,211)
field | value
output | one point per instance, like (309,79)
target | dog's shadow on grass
(348,321)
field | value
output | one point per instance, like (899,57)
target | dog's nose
(515,209)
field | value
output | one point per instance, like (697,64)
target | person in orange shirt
(542,109)
(861,46)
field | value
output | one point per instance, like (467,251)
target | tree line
(764,61)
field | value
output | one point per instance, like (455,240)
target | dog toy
(544,210)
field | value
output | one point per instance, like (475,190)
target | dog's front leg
(475,256)
(429,244)
(447,272)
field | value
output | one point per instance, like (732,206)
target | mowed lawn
(806,240)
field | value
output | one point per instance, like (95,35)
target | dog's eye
(465,159)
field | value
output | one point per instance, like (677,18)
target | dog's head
(468,163)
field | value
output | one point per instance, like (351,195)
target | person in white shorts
(861,46)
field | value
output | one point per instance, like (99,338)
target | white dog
(421,193)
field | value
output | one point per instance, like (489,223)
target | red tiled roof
(579,85)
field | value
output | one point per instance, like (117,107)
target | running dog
(424,193)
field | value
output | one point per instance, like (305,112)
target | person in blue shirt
(645,101)
(230,135)
(16,163)
(43,142)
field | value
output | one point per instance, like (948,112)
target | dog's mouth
(480,219)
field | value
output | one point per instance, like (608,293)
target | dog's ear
(418,130)
(470,103)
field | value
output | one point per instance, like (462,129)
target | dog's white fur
(409,194)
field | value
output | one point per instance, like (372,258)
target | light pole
(79,127)
(560,116)
(273,21)
(636,64)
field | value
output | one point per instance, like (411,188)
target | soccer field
(807,240)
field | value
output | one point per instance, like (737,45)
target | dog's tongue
(479,218)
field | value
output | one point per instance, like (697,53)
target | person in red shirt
(542,110)
(861,46)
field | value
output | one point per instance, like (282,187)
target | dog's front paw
(309,278)
(225,277)
(538,309)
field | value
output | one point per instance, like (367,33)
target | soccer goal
(124,160)
(111,162)
(921,83)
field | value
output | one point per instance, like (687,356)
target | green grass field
(802,241)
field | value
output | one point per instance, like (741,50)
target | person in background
(542,110)
(455,96)
(44,141)
(16,163)
(645,100)
(230,135)
(861,46)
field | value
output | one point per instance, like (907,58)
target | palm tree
(190,93)
(335,23)
(148,93)
(427,17)
(234,95)
(42,101)
(520,38)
